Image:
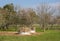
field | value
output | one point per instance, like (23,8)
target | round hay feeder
(25,31)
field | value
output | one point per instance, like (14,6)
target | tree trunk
(43,26)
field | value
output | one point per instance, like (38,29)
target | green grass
(51,35)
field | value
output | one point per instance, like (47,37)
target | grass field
(51,35)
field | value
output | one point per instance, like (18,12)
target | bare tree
(44,12)
(58,16)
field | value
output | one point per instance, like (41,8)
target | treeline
(42,15)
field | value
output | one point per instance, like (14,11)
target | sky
(27,3)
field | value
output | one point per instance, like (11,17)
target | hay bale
(32,30)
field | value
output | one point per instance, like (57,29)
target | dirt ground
(16,34)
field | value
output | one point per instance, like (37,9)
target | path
(15,33)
